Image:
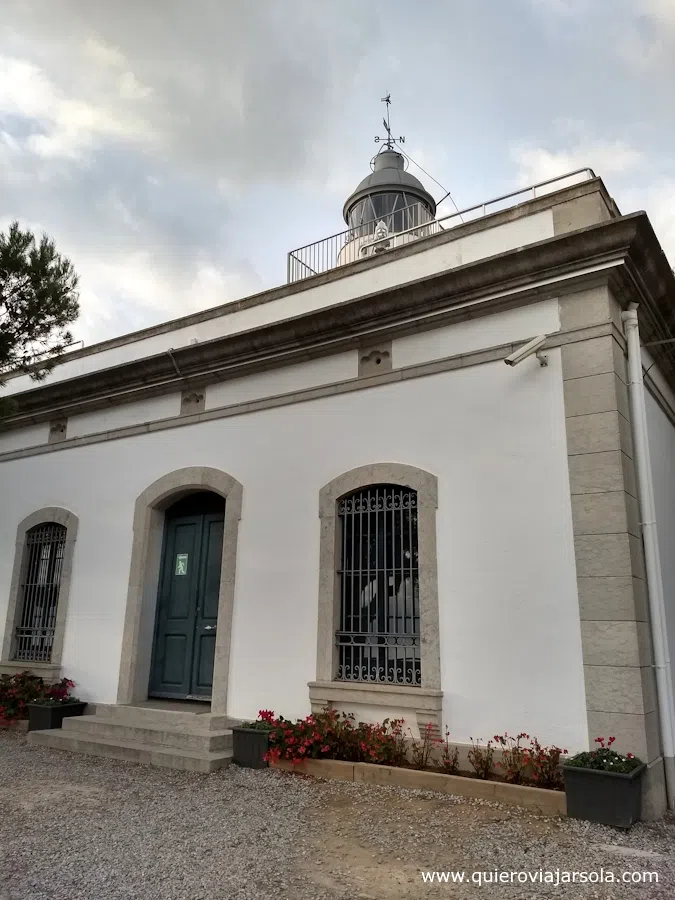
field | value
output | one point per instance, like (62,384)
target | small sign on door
(181,563)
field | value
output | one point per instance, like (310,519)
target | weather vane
(390,140)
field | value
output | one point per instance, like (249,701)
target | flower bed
(514,769)
(336,737)
(19,690)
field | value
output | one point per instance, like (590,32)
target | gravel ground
(79,828)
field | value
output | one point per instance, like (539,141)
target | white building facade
(336,493)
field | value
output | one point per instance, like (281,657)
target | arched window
(39,592)
(378,636)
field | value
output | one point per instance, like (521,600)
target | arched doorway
(187,599)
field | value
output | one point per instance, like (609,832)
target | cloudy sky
(177,150)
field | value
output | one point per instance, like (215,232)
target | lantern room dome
(388,187)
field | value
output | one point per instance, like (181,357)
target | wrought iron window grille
(39,593)
(378,639)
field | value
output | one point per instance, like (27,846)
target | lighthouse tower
(389,208)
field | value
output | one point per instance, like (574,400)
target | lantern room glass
(398,210)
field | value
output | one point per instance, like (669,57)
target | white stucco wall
(24,437)
(495,438)
(662,455)
(490,331)
(328,369)
(437,258)
(464,337)
(122,416)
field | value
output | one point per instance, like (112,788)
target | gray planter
(43,716)
(249,746)
(609,798)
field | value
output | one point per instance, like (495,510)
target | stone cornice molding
(624,250)
(491,220)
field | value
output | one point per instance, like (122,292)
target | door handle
(210,627)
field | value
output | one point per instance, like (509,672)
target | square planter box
(41,717)
(249,746)
(609,798)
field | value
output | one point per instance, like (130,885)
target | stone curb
(539,800)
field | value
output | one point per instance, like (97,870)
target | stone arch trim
(148,530)
(423,482)
(424,701)
(70,522)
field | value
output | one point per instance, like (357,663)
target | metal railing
(360,242)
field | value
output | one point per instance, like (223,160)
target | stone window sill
(48,671)
(424,704)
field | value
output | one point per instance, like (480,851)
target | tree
(38,300)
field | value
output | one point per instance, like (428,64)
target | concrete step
(181,737)
(132,751)
(168,718)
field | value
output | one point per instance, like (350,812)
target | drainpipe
(657,608)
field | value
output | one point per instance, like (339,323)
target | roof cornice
(623,249)
(456,232)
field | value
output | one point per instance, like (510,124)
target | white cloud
(647,41)
(71,126)
(658,201)
(95,49)
(537,164)
(662,11)
(136,137)
(563,7)
(141,290)
(164,151)
(230,91)
(656,197)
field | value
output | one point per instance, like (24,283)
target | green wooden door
(187,606)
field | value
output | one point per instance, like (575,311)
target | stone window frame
(141,605)
(424,701)
(50,671)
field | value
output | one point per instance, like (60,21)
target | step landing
(175,738)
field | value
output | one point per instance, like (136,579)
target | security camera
(527,350)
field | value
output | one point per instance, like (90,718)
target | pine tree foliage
(38,301)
